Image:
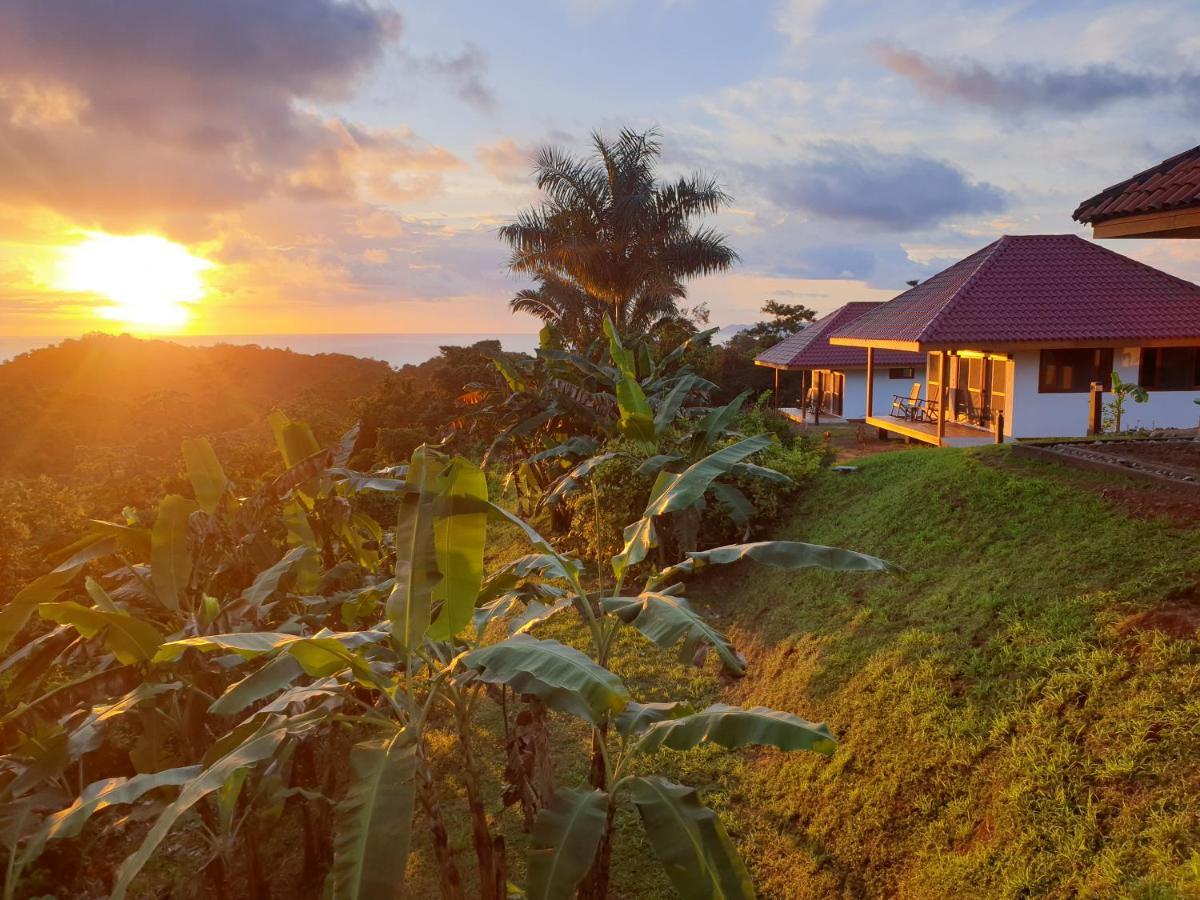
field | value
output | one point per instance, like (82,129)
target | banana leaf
(690,842)
(459,534)
(565,837)
(130,639)
(373,823)
(733,726)
(561,676)
(667,620)
(170,562)
(204,469)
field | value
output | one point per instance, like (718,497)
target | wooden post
(870,379)
(999,424)
(777,388)
(1096,408)
(943,396)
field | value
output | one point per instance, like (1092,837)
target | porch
(955,435)
(965,403)
(809,416)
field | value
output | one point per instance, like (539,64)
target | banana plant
(189,573)
(552,413)
(572,834)
(250,663)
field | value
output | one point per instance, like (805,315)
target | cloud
(798,19)
(1022,88)
(860,184)
(192,70)
(878,263)
(507,160)
(464,73)
(385,165)
(140,109)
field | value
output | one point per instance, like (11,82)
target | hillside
(121,398)
(94,425)
(1018,716)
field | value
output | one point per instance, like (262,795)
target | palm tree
(609,238)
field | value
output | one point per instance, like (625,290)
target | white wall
(854,400)
(1164,409)
(1066,415)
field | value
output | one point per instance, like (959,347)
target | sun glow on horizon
(149,279)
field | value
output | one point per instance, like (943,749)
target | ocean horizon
(394,349)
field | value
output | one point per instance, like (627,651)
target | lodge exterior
(833,380)
(1016,333)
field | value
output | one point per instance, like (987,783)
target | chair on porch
(907,407)
(926,411)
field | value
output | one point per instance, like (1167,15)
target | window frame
(1155,354)
(1099,366)
(907,373)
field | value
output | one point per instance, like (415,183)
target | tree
(786,319)
(609,238)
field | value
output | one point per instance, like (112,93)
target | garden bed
(1174,459)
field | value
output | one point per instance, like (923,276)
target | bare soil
(1177,621)
(1180,506)
(1176,454)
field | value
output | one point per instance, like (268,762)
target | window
(910,372)
(1170,368)
(1073,371)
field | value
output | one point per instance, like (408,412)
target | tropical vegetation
(189,678)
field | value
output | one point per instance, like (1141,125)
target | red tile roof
(810,348)
(1041,289)
(1172,184)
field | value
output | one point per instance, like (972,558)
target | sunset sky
(342,167)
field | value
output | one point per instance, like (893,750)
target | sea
(395,349)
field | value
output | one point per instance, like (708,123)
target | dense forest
(108,405)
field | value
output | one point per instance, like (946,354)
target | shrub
(395,445)
(622,494)
(799,462)
(761,418)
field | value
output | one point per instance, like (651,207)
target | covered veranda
(961,385)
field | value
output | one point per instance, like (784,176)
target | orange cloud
(508,160)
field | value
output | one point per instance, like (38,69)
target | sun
(149,279)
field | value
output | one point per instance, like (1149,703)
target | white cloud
(798,19)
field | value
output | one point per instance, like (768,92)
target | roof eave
(1183,223)
(877,343)
(783,367)
(993,345)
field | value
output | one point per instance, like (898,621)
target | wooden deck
(802,417)
(956,435)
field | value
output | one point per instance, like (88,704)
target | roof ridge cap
(997,246)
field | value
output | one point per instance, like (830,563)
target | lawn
(1018,716)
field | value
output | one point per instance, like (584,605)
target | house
(1163,201)
(839,374)
(1016,334)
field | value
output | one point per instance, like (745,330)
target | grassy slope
(1004,732)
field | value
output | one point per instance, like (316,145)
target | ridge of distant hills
(67,406)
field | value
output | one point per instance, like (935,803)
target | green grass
(1004,730)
